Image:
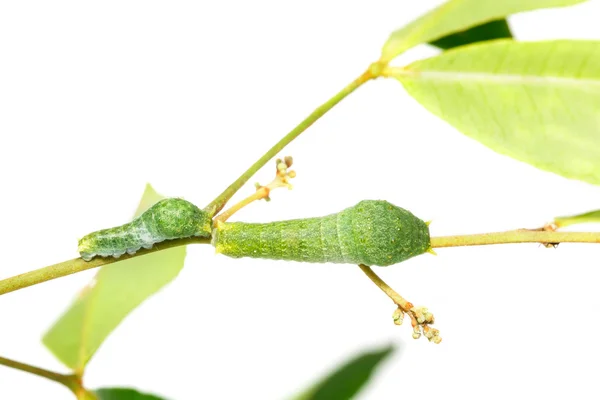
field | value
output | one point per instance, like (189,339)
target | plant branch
(70,381)
(218,203)
(385,288)
(77,265)
(516,236)
(420,317)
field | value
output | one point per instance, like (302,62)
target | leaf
(347,380)
(123,394)
(116,291)
(538,102)
(588,217)
(497,29)
(455,16)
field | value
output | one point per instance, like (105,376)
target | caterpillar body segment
(167,219)
(373,232)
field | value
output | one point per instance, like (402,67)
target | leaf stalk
(70,381)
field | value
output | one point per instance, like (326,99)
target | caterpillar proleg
(373,232)
(167,219)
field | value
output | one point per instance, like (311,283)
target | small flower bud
(398,316)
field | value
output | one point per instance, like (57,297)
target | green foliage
(117,290)
(455,16)
(588,217)
(347,380)
(497,29)
(519,98)
(123,394)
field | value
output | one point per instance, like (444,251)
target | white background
(98,98)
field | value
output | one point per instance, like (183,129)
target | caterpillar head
(178,218)
(389,234)
(87,246)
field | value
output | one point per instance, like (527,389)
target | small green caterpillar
(166,219)
(373,232)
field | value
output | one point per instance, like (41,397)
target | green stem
(516,236)
(592,216)
(219,202)
(70,381)
(385,288)
(77,265)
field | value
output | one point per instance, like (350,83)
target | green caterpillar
(373,232)
(167,219)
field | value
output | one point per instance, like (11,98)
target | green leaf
(455,16)
(347,380)
(588,217)
(538,102)
(123,394)
(116,290)
(497,29)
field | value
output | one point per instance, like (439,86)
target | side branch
(77,265)
(69,381)
(516,236)
(282,180)
(218,203)
(420,317)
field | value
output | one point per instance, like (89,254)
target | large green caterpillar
(373,232)
(167,219)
